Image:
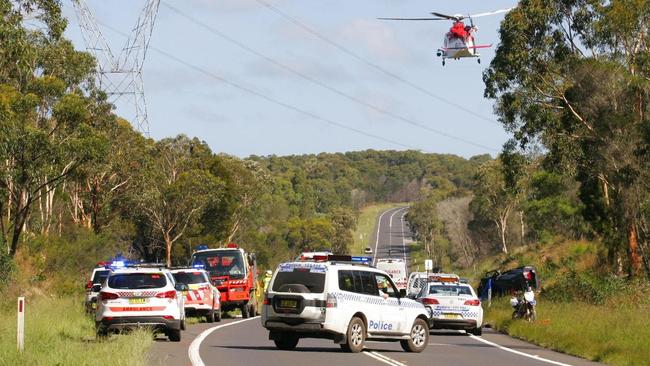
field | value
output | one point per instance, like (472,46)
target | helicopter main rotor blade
(445,16)
(412,18)
(490,13)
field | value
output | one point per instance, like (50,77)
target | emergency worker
(267,279)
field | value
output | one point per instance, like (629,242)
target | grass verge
(613,335)
(58,332)
(366,225)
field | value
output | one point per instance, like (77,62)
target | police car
(452,304)
(202,298)
(344,299)
(141,296)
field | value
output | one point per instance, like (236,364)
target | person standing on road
(267,279)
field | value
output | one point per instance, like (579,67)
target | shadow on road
(274,349)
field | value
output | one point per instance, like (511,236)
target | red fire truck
(233,271)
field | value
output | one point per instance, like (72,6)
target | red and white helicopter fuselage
(459,42)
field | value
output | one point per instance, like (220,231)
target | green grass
(58,332)
(366,226)
(615,335)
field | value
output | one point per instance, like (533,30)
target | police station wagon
(343,299)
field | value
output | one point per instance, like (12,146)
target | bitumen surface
(245,342)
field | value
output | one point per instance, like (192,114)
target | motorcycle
(524,306)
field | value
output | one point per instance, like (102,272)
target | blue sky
(182,100)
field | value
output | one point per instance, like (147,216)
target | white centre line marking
(193,351)
(534,357)
(381,358)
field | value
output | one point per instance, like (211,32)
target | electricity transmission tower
(121,76)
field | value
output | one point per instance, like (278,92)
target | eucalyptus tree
(49,111)
(573,75)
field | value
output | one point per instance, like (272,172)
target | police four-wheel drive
(343,299)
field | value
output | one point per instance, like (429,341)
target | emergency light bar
(444,277)
(201,247)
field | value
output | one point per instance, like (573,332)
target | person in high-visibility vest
(267,279)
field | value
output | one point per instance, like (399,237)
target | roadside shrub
(584,287)
(7,268)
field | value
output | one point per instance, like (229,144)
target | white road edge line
(381,358)
(534,357)
(193,351)
(374,257)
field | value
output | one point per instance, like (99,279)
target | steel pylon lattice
(121,75)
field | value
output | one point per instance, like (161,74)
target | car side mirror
(181,287)
(96,288)
(402,292)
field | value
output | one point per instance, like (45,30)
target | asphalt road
(245,342)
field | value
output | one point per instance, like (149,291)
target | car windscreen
(189,278)
(100,276)
(133,281)
(449,290)
(313,281)
(221,262)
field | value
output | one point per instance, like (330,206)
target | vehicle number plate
(451,316)
(137,300)
(288,304)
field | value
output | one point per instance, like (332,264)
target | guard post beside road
(20,332)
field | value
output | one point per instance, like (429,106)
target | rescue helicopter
(459,41)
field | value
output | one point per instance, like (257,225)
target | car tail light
(331,301)
(430,301)
(168,317)
(266,300)
(166,295)
(89,285)
(474,302)
(108,296)
(528,275)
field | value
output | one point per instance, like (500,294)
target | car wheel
(419,337)
(183,324)
(217,315)
(210,316)
(244,311)
(174,335)
(477,331)
(355,336)
(286,342)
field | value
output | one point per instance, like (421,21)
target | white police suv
(141,297)
(344,299)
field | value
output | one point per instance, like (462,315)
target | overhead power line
(319,83)
(375,66)
(267,97)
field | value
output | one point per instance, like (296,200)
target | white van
(343,299)
(396,268)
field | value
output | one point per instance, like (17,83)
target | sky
(303,95)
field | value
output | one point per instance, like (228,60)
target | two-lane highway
(245,341)
(391,233)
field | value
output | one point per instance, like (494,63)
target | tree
(492,198)
(425,224)
(174,190)
(344,222)
(574,76)
(49,112)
